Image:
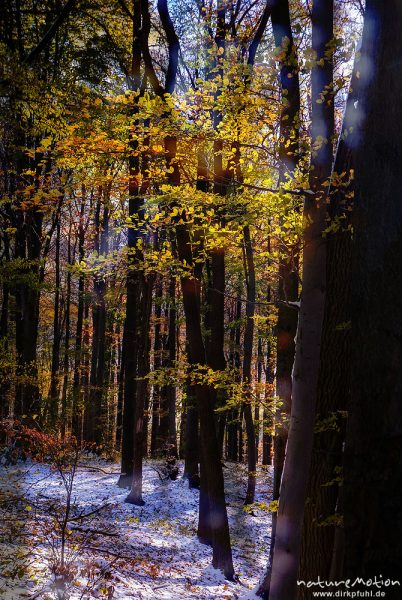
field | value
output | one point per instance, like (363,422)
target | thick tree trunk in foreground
(288,277)
(373,450)
(322,527)
(285,562)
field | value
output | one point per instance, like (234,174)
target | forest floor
(116,550)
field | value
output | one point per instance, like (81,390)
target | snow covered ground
(118,550)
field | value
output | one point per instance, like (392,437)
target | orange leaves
(36,444)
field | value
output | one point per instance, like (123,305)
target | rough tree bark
(321,553)
(281,585)
(373,449)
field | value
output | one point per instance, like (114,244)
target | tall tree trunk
(267,415)
(5,408)
(93,417)
(373,449)
(155,433)
(257,405)
(120,389)
(66,359)
(171,391)
(28,247)
(281,584)
(212,483)
(191,458)
(77,405)
(234,425)
(53,396)
(216,292)
(288,287)
(247,359)
(102,381)
(320,528)
(145,307)
(134,276)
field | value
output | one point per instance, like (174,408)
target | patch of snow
(136,552)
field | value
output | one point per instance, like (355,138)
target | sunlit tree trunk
(285,563)
(322,527)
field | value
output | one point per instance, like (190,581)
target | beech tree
(372,436)
(305,371)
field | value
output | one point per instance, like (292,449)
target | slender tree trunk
(257,406)
(5,408)
(155,433)
(216,292)
(53,401)
(66,359)
(77,408)
(120,389)
(93,418)
(234,421)
(288,288)
(267,415)
(171,391)
(134,275)
(247,359)
(269,372)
